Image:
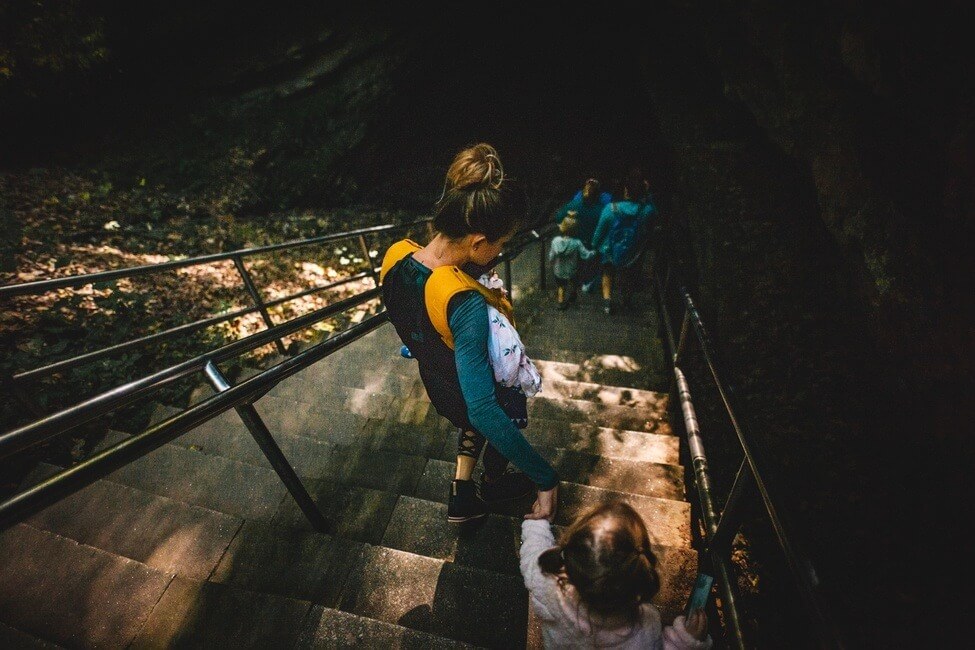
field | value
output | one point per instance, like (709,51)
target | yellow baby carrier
(444,283)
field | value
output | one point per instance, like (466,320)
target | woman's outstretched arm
(469,324)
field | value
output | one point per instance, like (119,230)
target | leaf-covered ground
(62,223)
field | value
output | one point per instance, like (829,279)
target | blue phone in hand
(700,593)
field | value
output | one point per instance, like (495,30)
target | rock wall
(823,209)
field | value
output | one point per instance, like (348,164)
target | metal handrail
(93,408)
(721,528)
(105,462)
(42,286)
(237,256)
(186,328)
(239,397)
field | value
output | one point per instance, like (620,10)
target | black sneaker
(464,504)
(509,486)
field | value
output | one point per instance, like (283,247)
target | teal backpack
(626,236)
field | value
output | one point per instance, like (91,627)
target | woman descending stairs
(199,543)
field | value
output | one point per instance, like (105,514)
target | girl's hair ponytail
(551,561)
(646,568)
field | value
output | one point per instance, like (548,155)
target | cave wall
(875,101)
(823,205)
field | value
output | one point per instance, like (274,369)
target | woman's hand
(545,504)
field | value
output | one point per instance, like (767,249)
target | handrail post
(256,297)
(365,254)
(542,263)
(507,278)
(252,420)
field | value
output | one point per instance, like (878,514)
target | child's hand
(544,506)
(696,624)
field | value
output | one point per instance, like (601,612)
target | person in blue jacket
(476,215)
(587,205)
(634,210)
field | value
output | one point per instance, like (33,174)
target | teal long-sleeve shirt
(468,322)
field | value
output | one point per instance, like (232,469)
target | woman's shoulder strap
(395,253)
(444,283)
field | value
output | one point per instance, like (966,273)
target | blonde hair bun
(476,165)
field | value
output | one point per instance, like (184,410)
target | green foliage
(44,40)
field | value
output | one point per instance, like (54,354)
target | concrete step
(291,563)
(300,411)
(398,376)
(640,476)
(438,597)
(646,479)
(358,464)
(637,446)
(358,513)
(416,428)
(72,594)
(305,413)
(420,526)
(607,369)
(559,380)
(319,428)
(18,640)
(194,614)
(213,482)
(607,395)
(667,519)
(327,629)
(164,534)
(605,415)
(337,413)
(371,464)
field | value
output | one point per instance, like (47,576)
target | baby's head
(605,554)
(568,225)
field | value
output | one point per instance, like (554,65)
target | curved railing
(721,526)
(240,397)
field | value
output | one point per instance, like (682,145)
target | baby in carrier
(515,374)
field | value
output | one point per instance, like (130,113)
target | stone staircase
(199,544)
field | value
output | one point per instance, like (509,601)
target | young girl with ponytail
(593,590)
